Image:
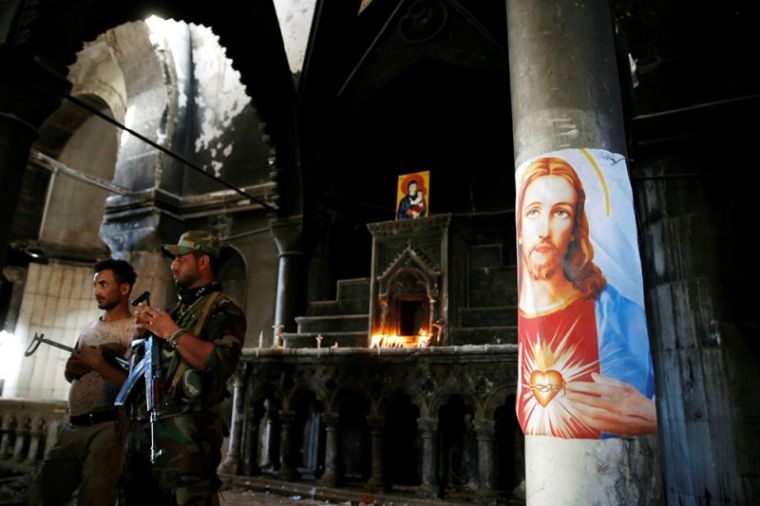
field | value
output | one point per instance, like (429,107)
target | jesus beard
(541,271)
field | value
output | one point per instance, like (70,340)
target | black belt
(95,417)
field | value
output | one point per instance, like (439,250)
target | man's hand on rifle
(91,355)
(94,358)
(157,322)
(194,351)
(76,367)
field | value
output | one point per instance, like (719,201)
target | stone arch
(303,390)
(443,394)
(257,51)
(344,393)
(495,400)
(49,199)
(509,446)
(73,208)
(308,433)
(233,274)
(402,446)
(266,389)
(353,407)
(261,433)
(415,398)
(458,445)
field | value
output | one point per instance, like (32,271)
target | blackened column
(291,273)
(428,430)
(485,429)
(287,472)
(249,462)
(232,460)
(565,94)
(22,110)
(16,137)
(330,476)
(376,426)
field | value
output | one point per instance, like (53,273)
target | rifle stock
(112,355)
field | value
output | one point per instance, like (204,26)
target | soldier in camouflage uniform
(200,342)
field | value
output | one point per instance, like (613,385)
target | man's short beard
(185,282)
(108,304)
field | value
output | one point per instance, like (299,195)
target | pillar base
(586,471)
(229,466)
(328,480)
(287,473)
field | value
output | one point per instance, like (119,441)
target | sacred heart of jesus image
(545,385)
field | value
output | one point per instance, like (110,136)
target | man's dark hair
(122,271)
(214,262)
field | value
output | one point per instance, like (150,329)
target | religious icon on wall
(413,195)
(585,370)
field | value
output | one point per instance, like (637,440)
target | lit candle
(319,342)
(261,339)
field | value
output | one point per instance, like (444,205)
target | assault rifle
(148,369)
(110,354)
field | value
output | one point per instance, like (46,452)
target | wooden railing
(28,429)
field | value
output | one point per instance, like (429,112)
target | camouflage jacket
(222,322)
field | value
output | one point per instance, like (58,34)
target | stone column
(706,348)
(291,273)
(26,29)
(565,93)
(376,426)
(16,137)
(249,461)
(23,429)
(428,431)
(35,435)
(287,471)
(51,436)
(232,460)
(485,430)
(6,429)
(330,476)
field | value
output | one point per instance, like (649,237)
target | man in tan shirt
(88,454)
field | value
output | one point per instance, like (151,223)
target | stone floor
(258,491)
(251,498)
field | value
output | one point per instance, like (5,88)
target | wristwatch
(172,341)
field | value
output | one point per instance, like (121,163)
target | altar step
(493,286)
(352,297)
(488,316)
(483,335)
(333,323)
(308,339)
(344,321)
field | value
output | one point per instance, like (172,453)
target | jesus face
(548,216)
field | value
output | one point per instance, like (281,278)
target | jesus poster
(585,370)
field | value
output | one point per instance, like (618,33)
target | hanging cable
(185,161)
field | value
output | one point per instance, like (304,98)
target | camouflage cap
(194,240)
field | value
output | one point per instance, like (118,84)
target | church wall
(58,302)
(225,137)
(75,209)
(261,259)
(705,331)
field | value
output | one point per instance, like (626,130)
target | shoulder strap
(195,329)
